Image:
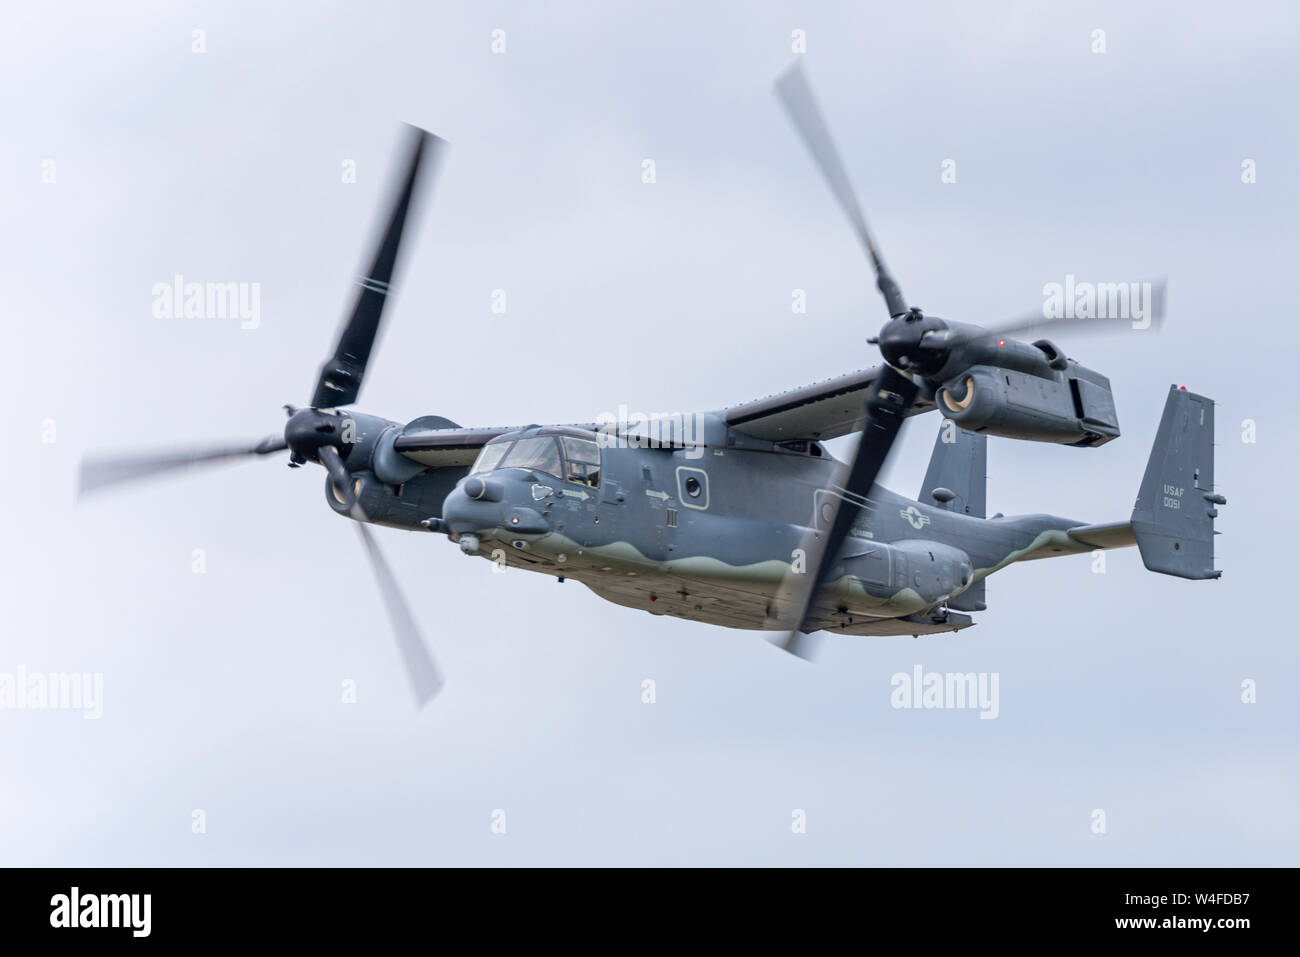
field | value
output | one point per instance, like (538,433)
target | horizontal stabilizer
(1113,535)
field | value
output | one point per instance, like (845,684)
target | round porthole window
(693,487)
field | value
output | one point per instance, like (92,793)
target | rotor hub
(915,342)
(310,430)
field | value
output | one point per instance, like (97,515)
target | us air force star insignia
(915,517)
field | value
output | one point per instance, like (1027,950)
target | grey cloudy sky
(1119,691)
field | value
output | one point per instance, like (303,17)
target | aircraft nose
(479,504)
(464,514)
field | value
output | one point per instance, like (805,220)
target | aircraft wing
(442,447)
(438,448)
(823,410)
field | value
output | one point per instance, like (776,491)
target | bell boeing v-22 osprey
(748,523)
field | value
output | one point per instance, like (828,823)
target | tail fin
(956,480)
(1173,519)
(957,466)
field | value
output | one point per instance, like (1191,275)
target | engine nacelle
(1061,402)
(390,488)
(399,506)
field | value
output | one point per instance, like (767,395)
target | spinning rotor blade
(1034,322)
(886,401)
(796,96)
(340,377)
(100,473)
(420,669)
(312,434)
(339,476)
(1035,325)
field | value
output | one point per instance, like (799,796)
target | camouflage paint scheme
(724,551)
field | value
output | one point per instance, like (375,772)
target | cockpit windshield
(541,452)
(572,457)
(491,455)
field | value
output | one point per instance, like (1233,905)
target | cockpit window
(573,458)
(540,452)
(581,461)
(491,455)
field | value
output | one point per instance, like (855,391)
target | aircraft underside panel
(734,603)
(737,609)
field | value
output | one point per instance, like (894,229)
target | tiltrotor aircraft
(748,522)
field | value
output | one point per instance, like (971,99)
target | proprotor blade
(887,401)
(1036,322)
(99,473)
(796,95)
(420,669)
(338,472)
(340,377)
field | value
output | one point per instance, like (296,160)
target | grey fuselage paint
(717,550)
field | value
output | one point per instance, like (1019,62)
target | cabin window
(692,487)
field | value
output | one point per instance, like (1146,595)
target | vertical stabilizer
(956,480)
(1173,519)
(957,465)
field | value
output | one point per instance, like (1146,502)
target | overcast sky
(1119,692)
